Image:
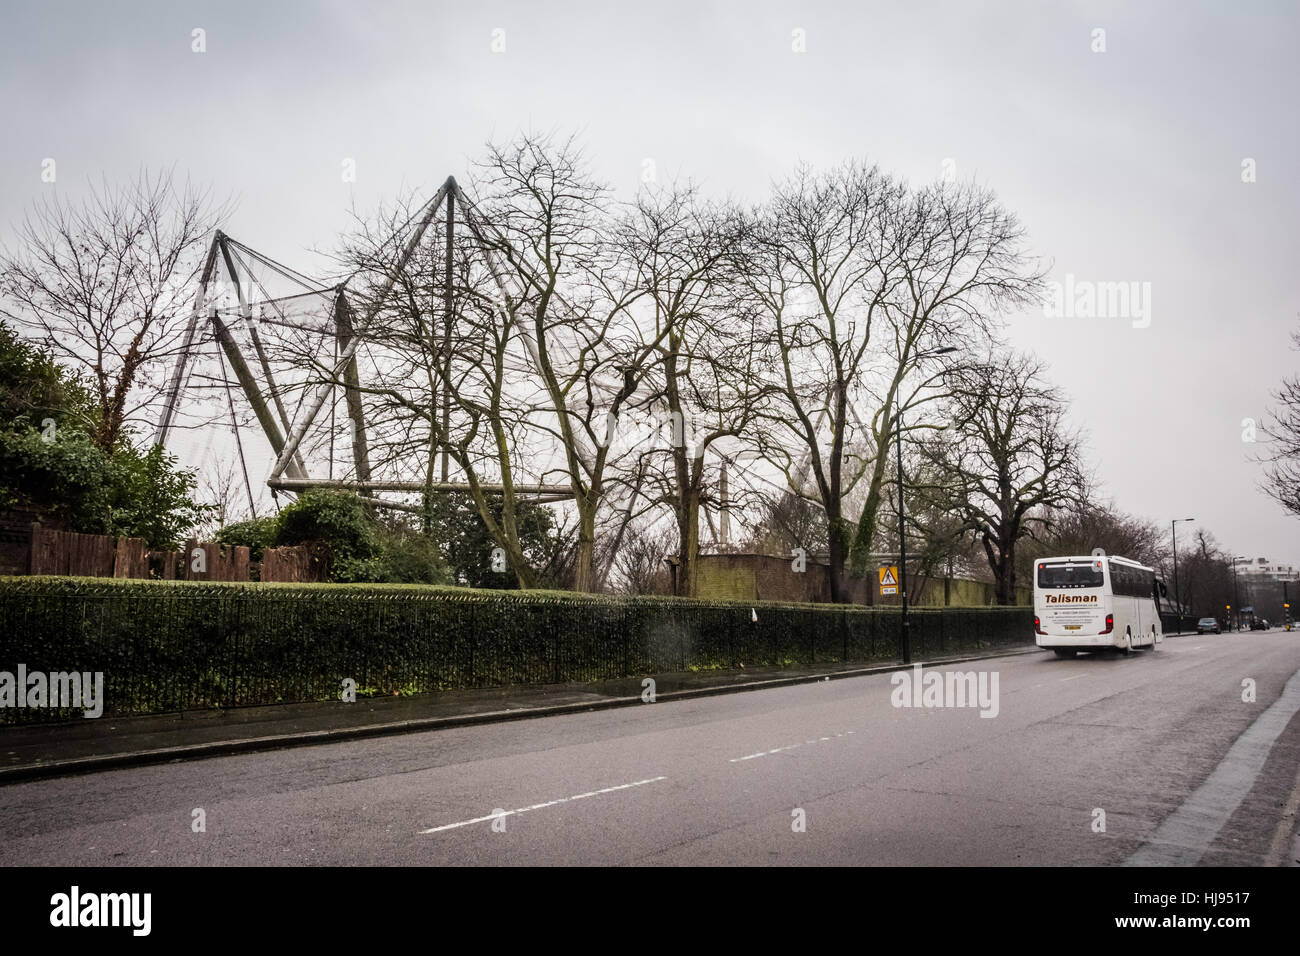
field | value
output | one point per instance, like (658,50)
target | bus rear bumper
(1078,641)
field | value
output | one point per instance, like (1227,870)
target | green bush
(48,460)
(125,494)
(452,519)
(363,549)
(411,557)
(255,534)
(33,387)
(338,518)
(179,645)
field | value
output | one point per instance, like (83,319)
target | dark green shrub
(49,462)
(411,557)
(339,518)
(256,534)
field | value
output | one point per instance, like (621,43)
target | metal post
(314,405)
(1236,594)
(1178,604)
(343,335)
(239,442)
(446,335)
(270,427)
(902,534)
(246,311)
(183,357)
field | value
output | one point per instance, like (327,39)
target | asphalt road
(1160,742)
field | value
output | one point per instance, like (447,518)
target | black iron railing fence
(174,646)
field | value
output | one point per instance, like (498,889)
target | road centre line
(539,806)
(777,750)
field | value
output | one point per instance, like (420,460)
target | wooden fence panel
(131,559)
(93,555)
(86,555)
(302,563)
(44,552)
(237,564)
(217,563)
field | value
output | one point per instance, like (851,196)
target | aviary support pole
(246,381)
(352,388)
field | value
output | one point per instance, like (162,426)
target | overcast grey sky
(1125,165)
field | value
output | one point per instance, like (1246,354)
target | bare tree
(222,486)
(701,380)
(108,285)
(1007,457)
(862,281)
(1205,577)
(435,386)
(1088,524)
(1282,477)
(641,561)
(939,541)
(820,270)
(962,260)
(786,522)
(567,288)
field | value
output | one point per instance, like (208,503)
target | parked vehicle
(1259,624)
(1207,624)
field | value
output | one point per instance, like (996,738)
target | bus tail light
(1038,627)
(1110,624)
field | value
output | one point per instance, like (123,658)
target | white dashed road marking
(539,806)
(777,750)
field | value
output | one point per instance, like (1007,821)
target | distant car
(1259,625)
(1207,624)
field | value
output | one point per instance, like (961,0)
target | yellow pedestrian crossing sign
(889,580)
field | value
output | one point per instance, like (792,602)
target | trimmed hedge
(182,645)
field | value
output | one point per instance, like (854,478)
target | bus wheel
(1065,652)
(1128,643)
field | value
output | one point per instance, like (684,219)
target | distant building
(1266,586)
(1264,569)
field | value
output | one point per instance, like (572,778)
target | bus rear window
(1070,576)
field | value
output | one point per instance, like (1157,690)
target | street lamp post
(906,636)
(1236,593)
(1178,601)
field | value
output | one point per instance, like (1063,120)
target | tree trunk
(584,575)
(838,533)
(865,536)
(1006,572)
(525,575)
(688,552)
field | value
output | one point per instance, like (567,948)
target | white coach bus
(1094,602)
